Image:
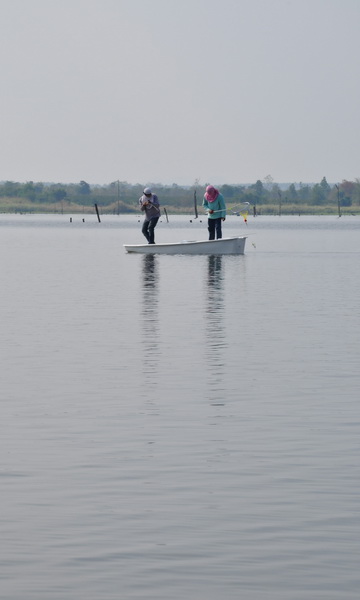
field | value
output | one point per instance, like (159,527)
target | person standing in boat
(149,204)
(214,203)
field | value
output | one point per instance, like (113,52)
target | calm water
(178,426)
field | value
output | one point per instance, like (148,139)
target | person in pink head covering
(214,203)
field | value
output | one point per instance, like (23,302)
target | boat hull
(235,245)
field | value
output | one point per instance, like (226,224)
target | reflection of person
(149,275)
(214,272)
(149,204)
(150,321)
(214,203)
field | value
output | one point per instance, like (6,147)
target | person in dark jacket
(149,204)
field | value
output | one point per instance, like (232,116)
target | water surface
(179,426)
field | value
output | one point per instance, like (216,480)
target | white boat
(234,245)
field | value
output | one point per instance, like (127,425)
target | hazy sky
(169,91)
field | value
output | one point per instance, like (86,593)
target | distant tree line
(121,196)
(265,192)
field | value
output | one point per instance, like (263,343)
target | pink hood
(211,193)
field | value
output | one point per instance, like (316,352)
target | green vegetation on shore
(119,197)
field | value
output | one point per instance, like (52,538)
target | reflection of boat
(234,245)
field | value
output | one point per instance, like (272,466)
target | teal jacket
(218,206)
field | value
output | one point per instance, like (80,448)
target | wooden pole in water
(338,199)
(97,212)
(166,215)
(195,205)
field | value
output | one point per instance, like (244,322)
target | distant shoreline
(69,208)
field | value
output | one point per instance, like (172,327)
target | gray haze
(177,90)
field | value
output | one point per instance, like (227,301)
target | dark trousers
(214,225)
(148,229)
